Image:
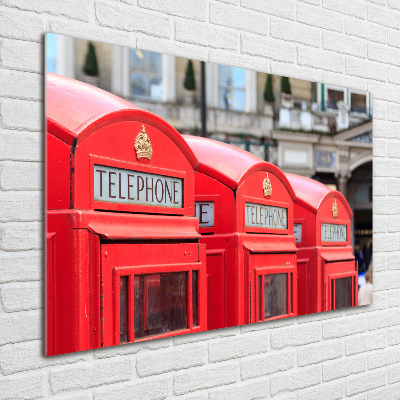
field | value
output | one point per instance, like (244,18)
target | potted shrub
(286,93)
(91,67)
(269,97)
(189,84)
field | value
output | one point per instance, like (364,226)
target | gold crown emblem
(267,187)
(143,145)
(334,209)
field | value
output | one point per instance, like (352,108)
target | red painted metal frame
(313,206)
(331,277)
(237,176)
(86,125)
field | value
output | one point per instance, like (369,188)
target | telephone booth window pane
(160,303)
(343,293)
(195,298)
(123,309)
(275,295)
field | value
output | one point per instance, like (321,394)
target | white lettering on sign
(333,233)
(126,186)
(205,213)
(298,232)
(261,216)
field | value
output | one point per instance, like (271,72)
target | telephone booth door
(341,285)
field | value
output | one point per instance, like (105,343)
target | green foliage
(189,83)
(285,85)
(268,90)
(91,67)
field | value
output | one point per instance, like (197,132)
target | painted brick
(391,261)
(20,206)
(22,114)
(384,129)
(23,56)
(378,303)
(20,327)
(379,150)
(114,351)
(344,367)
(387,393)
(336,79)
(174,359)
(179,49)
(394,4)
(387,242)
(284,69)
(14,296)
(322,316)
(296,335)
(21,85)
(380,108)
(383,319)
(246,20)
(393,113)
(230,348)
(21,266)
(393,336)
(393,298)
(292,32)
(76,9)
(387,280)
(386,167)
(383,16)
(90,375)
(293,380)
(25,146)
(315,2)
(393,374)
(20,175)
(343,327)
(366,69)
(29,356)
(320,59)
(20,236)
(393,38)
(344,44)
(365,342)
(205,35)
(266,364)
(365,30)
(266,47)
(248,391)
(356,8)
(319,17)
(23,386)
(206,377)
(284,9)
(393,186)
(383,54)
(23,26)
(193,9)
(329,391)
(318,353)
(90,31)
(365,382)
(151,389)
(127,18)
(379,187)
(383,358)
(384,91)
(234,2)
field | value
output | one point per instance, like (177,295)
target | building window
(358,103)
(146,75)
(232,88)
(334,96)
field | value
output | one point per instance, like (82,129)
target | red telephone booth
(245,211)
(326,270)
(124,259)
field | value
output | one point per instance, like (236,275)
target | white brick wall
(331,356)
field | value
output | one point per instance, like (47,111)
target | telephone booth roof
(310,193)
(229,164)
(75,110)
